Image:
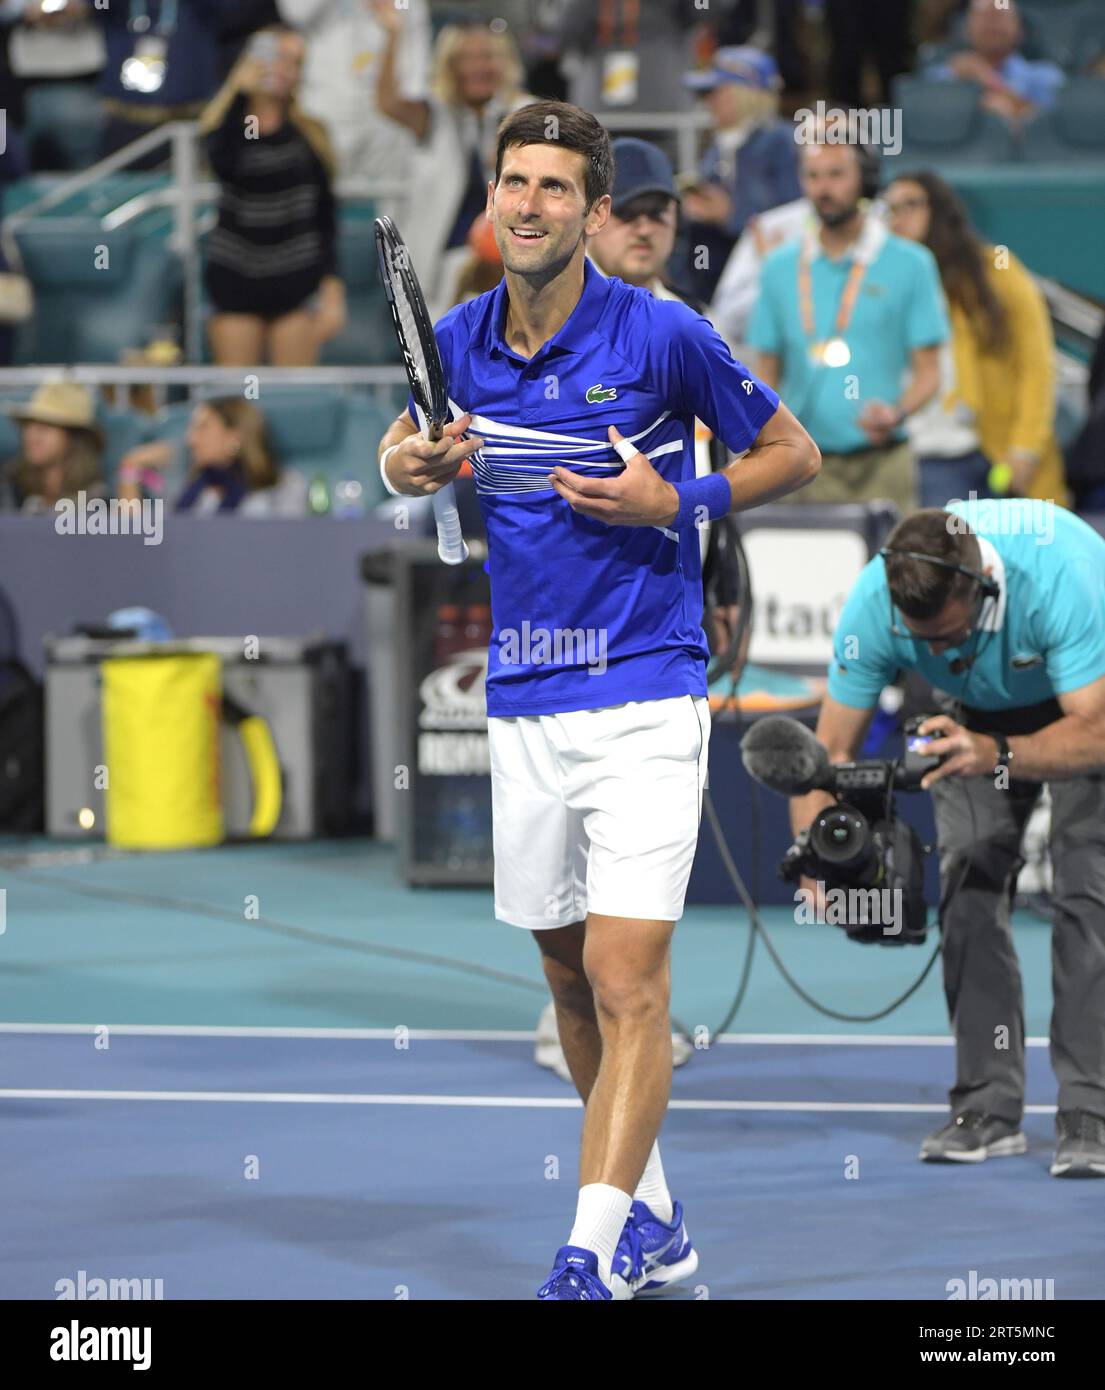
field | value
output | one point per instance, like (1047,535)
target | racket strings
(409,323)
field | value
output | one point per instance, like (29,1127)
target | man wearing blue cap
(639,236)
(751,166)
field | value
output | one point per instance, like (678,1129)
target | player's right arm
(419,467)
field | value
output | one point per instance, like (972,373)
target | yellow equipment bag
(161,721)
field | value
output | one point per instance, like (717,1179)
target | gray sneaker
(1080,1152)
(971,1137)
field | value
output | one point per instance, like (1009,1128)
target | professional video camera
(859,847)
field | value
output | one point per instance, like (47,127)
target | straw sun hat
(63,403)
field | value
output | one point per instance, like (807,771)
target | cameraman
(1011,626)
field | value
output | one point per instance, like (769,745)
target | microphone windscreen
(784,756)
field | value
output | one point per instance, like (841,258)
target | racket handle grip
(451,548)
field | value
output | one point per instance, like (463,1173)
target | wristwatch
(1005,753)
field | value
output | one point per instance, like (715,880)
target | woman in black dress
(271,263)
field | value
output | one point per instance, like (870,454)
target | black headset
(870,171)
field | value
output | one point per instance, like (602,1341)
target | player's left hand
(638,496)
(965,754)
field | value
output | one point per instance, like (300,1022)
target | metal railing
(382,382)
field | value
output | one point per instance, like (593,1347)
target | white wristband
(393,492)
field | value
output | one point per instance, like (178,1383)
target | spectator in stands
(1086,455)
(751,166)
(231,466)
(738,289)
(60,452)
(346,42)
(1012,86)
(62,46)
(16,295)
(857,27)
(629,55)
(271,261)
(475,84)
(238,24)
(848,326)
(639,236)
(162,65)
(1002,346)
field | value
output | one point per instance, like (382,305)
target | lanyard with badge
(144,70)
(621,66)
(834,351)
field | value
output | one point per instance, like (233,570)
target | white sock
(653,1188)
(600,1216)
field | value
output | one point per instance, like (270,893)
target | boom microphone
(785,757)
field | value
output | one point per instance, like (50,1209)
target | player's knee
(569,984)
(624,995)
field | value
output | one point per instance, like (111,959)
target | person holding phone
(271,260)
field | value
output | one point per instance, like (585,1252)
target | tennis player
(575,399)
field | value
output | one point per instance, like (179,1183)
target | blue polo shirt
(1044,636)
(1034,81)
(588,615)
(900,307)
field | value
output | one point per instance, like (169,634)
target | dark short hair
(921,590)
(561,123)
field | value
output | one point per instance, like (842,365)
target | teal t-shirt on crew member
(900,307)
(1044,635)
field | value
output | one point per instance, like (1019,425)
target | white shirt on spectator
(344,46)
(34,51)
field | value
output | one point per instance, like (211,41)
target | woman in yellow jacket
(1002,346)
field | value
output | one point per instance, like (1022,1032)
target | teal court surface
(275,1073)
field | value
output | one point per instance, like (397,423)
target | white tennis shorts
(597,810)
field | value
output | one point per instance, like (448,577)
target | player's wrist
(702,499)
(389,486)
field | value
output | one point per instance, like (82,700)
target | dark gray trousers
(982,979)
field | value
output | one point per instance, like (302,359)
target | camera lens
(840,836)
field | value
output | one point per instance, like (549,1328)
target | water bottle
(318,496)
(349,498)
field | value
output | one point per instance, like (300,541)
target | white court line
(485,1102)
(185,1030)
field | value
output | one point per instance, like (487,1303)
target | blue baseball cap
(749,67)
(640,168)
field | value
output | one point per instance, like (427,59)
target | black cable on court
(268,924)
(757,928)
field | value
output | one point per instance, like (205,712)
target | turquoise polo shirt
(1044,635)
(900,307)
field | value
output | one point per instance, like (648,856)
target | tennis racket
(424,370)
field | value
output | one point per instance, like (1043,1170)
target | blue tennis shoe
(652,1255)
(575,1275)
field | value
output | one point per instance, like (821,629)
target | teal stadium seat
(1074,130)
(1059,29)
(62,124)
(90,307)
(942,122)
(368,339)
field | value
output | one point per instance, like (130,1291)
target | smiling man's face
(538,208)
